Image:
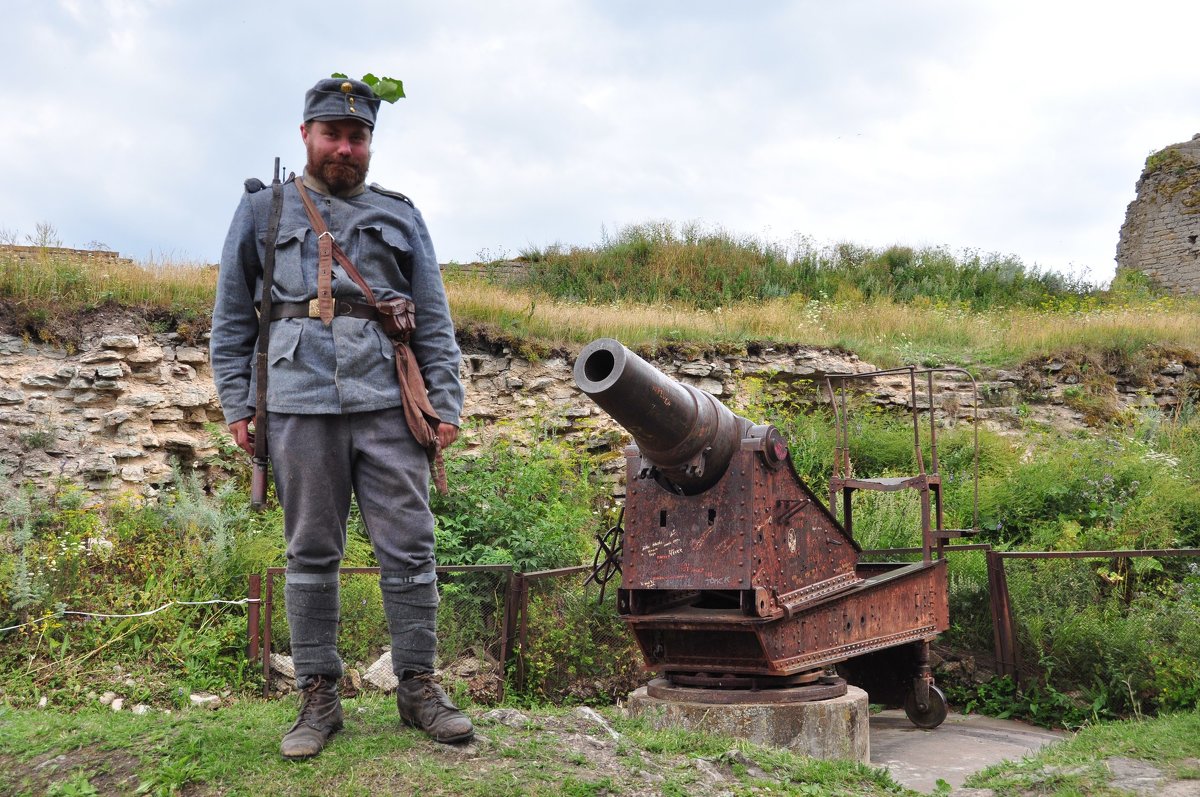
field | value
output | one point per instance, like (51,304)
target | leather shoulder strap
(336,251)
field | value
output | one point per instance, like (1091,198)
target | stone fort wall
(1161,233)
(129,407)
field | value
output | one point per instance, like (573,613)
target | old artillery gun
(735,579)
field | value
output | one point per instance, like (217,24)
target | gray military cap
(341,98)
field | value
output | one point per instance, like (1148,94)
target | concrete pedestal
(827,729)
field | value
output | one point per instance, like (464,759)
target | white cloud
(1017,126)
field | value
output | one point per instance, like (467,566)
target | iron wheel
(931,715)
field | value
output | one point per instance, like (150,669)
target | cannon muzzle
(680,430)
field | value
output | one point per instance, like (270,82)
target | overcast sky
(1000,125)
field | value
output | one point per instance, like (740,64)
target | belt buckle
(314,309)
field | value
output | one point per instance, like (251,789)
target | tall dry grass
(882,331)
(66,282)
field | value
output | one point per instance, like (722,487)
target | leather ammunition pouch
(398,317)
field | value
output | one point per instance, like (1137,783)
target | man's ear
(304,132)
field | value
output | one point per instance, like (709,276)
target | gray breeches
(318,462)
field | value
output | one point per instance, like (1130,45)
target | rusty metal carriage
(735,577)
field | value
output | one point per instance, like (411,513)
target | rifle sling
(264,323)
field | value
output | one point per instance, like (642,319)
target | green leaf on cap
(388,89)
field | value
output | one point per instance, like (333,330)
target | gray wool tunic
(348,366)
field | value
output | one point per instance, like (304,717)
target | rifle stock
(258,485)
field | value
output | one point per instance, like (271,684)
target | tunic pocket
(285,337)
(291,279)
(385,252)
(385,343)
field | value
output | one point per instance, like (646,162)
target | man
(334,399)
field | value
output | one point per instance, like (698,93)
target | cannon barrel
(682,431)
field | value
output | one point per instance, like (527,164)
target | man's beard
(340,174)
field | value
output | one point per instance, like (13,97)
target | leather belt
(310,309)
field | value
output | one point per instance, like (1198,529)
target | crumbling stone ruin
(1161,233)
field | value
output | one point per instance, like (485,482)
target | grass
(882,331)
(234,751)
(83,283)
(652,286)
(1077,766)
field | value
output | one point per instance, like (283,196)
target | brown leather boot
(424,705)
(320,717)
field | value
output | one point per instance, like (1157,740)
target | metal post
(252,607)
(512,614)
(508,624)
(1002,624)
(916,414)
(523,633)
(266,650)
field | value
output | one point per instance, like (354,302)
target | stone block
(189,354)
(41,380)
(696,369)
(104,355)
(100,465)
(117,417)
(145,355)
(133,473)
(191,398)
(146,400)
(179,441)
(119,341)
(110,371)
(380,675)
(19,418)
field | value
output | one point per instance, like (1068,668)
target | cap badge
(346,87)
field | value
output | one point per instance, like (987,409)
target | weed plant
(531,504)
(578,650)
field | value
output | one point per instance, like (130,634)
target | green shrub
(658,262)
(1105,489)
(578,650)
(532,506)
(1120,635)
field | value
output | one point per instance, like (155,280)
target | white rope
(168,605)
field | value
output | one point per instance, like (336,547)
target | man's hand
(447,433)
(243,436)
